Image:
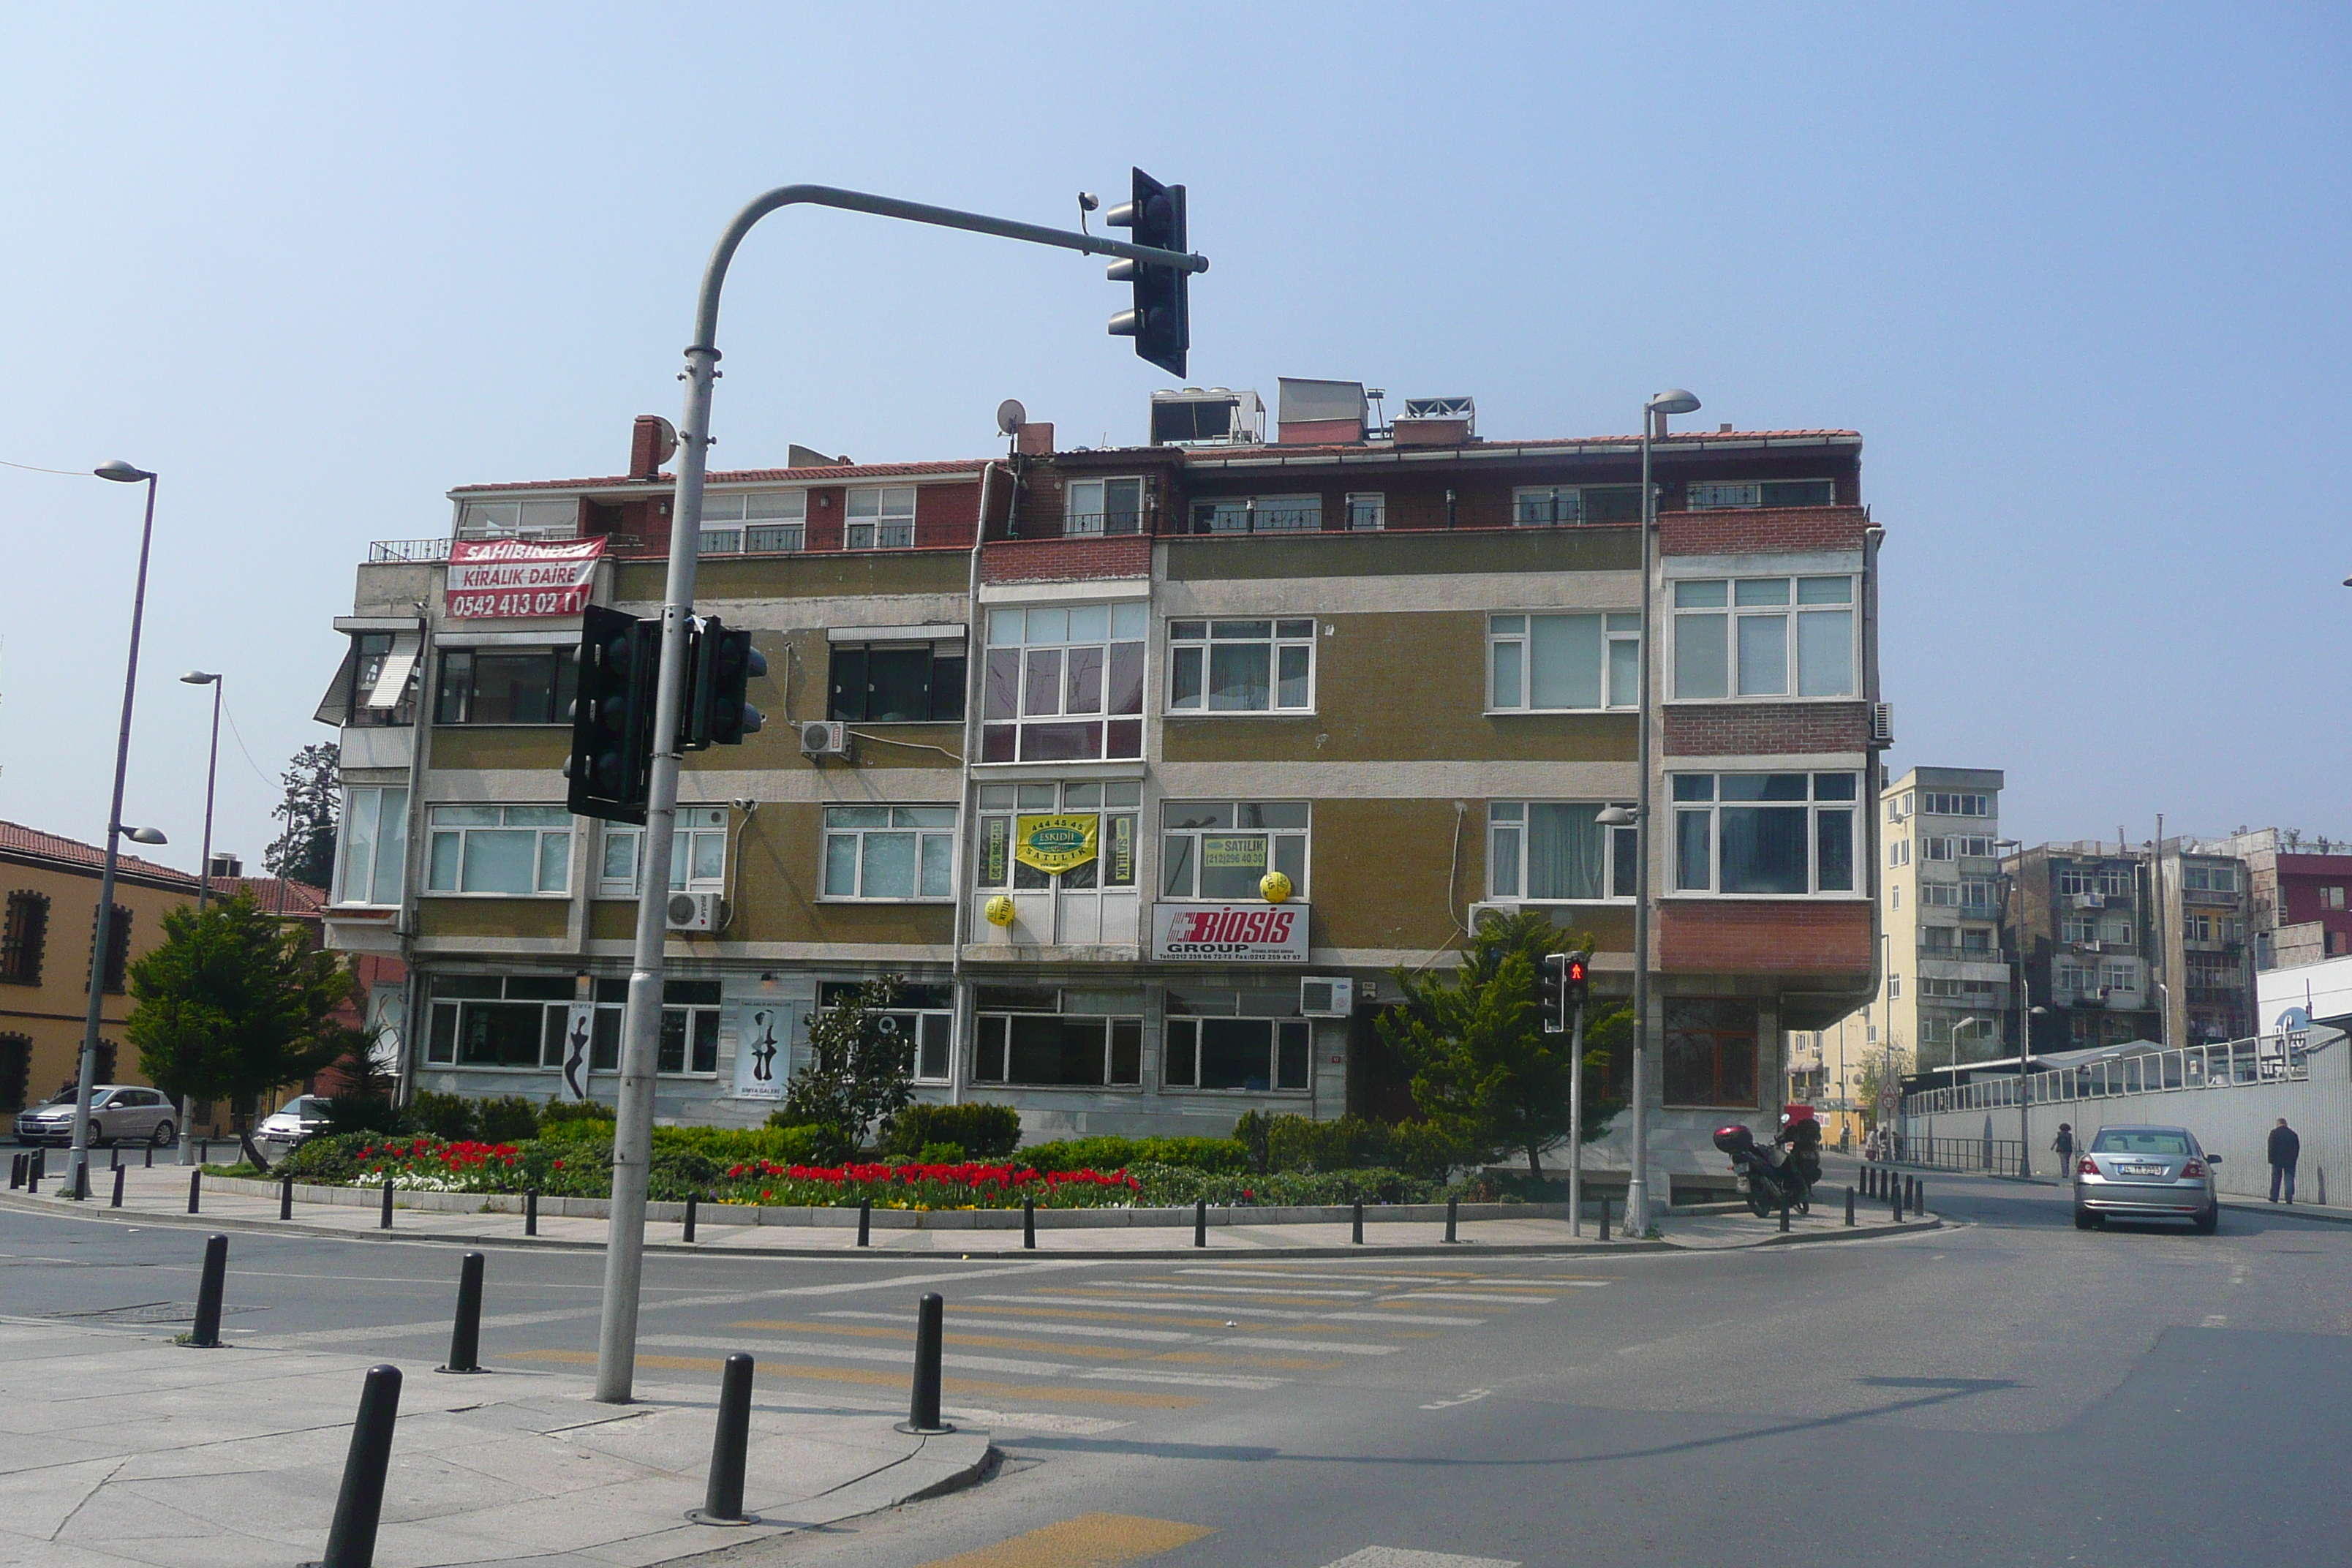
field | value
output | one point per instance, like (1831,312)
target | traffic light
(1552,991)
(1577,984)
(1161,321)
(612,716)
(718,665)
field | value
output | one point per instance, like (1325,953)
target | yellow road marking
(878,1377)
(1055,1347)
(1285,1363)
(1263,1298)
(1158,1319)
(1089,1540)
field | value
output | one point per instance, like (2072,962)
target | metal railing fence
(2264,1058)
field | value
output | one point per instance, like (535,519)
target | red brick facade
(1066,560)
(1774,936)
(1741,531)
(1766,729)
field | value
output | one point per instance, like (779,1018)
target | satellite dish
(666,442)
(1011,416)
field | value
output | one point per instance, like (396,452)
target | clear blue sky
(2079,275)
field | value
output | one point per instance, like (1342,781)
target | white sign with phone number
(514,578)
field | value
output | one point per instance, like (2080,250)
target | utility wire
(36,469)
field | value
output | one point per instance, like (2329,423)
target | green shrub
(985,1132)
(733,1146)
(1286,1142)
(558,1112)
(1113,1153)
(449,1116)
(677,1174)
(329,1158)
(583,1131)
(509,1119)
(1175,1185)
(940,1155)
(362,1113)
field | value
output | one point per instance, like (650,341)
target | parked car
(303,1116)
(2146,1172)
(119,1113)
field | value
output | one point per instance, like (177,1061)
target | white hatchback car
(119,1113)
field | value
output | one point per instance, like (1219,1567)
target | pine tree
(305,851)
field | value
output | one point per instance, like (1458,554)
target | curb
(2330,1215)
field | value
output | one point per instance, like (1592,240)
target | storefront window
(1710,1052)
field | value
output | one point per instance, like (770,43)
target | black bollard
(1784,1218)
(40,1163)
(114,1156)
(466,1333)
(285,1198)
(531,1213)
(82,1180)
(1358,1220)
(150,1157)
(864,1221)
(1200,1222)
(33,1178)
(1029,1224)
(384,1223)
(1849,1205)
(723,1499)
(1453,1213)
(923,1410)
(209,1286)
(195,1187)
(1604,1219)
(116,1202)
(351,1540)
(1919,1199)
(1896,1204)
(689,1216)
(15,1171)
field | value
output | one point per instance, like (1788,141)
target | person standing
(2284,1149)
(2064,1145)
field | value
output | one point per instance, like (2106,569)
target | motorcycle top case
(1734,1138)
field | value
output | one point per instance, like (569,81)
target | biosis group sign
(1258,933)
(502,578)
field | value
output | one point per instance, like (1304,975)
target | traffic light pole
(616,1339)
(1576,1124)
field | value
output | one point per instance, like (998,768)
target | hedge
(981,1131)
(1112,1153)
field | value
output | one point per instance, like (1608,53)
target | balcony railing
(409,551)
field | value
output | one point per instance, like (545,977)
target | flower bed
(918,1186)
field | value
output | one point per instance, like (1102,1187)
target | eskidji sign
(506,578)
(1260,933)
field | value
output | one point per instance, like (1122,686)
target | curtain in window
(1566,856)
(1764,849)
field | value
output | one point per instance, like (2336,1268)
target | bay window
(1222,849)
(373,861)
(1240,667)
(1546,850)
(1064,683)
(506,686)
(1764,637)
(1554,663)
(515,851)
(1007,810)
(1776,834)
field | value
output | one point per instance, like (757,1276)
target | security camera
(745,804)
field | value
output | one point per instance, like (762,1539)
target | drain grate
(148,1312)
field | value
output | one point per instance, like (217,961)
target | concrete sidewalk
(126,1448)
(158,1197)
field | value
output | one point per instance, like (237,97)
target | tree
(860,1071)
(235,1003)
(1481,1066)
(305,851)
(1872,1080)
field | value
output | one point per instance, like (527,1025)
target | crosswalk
(1107,1540)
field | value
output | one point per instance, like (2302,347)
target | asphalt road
(2006,1390)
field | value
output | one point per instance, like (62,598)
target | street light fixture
(101,935)
(204,869)
(1673,400)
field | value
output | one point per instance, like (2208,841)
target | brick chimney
(651,442)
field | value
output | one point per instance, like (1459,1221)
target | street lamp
(204,872)
(2026,1012)
(101,936)
(1673,400)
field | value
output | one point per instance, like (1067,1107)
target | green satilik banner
(1055,843)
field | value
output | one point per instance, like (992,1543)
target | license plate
(2140,1170)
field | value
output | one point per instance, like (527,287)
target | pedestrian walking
(2064,1144)
(2284,1149)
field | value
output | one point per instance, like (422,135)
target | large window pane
(889,865)
(1042,693)
(841,866)
(1825,654)
(1763,656)
(499,862)
(1564,661)
(554,862)
(1503,863)
(1624,672)
(1049,1050)
(939,865)
(1293,1052)
(1238,677)
(1710,1052)
(898,684)
(1506,675)
(1232,865)
(1834,850)
(1565,851)
(497,1034)
(1235,1053)
(1693,844)
(1763,849)
(1702,668)
(391,850)
(1293,677)
(359,843)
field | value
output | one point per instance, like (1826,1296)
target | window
(1068,1039)
(1710,1051)
(1368,512)
(1063,684)
(898,682)
(1103,506)
(26,936)
(1538,506)
(2210,878)
(506,686)
(2197,926)
(373,862)
(1894,987)
(1940,895)
(1222,849)
(880,517)
(1762,492)
(1894,896)
(2119,977)
(1935,803)
(1557,850)
(2072,884)
(511,849)
(2117,933)
(1976,897)
(1240,667)
(1764,833)
(553,518)
(2115,882)
(376,686)
(1258,514)
(1898,852)
(1935,848)
(1554,663)
(118,954)
(15,1070)
(1747,636)
(689,1027)
(697,855)
(517,1021)
(1972,845)
(2078,931)
(889,852)
(2331,898)
(1248,1040)
(1111,807)
(760,522)
(1976,939)
(922,1015)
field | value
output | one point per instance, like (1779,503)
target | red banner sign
(512,578)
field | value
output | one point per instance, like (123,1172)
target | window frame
(990,842)
(1197,655)
(943,689)
(1698,494)
(543,831)
(732,510)
(1794,611)
(1568,506)
(885,524)
(1817,807)
(25,939)
(1096,524)
(349,843)
(857,834)
(1119,1029)
(1207,514)
(563,685)
(696,824)
(1276,837)
(1281,1035)
(1620,852)
(934,1013)
(1679,1022)
(1617,628)
(1358,506)
(1008,668)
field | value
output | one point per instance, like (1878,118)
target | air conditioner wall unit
(823,738)
(1882,723)
(1321,997)
(1498,907)
(693,911)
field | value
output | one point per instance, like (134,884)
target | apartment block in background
(2201,910)
(2299,895)
(1945,993)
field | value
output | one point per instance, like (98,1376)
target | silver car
(119,1113)
(301,1117)
(2146,1172)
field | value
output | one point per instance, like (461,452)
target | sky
(2076,272)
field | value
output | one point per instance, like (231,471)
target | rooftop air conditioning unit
(821,738)
(1882,723)
(693,911)
(1320,997)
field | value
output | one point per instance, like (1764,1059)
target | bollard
(1604,1219)
(923,1410)
(351,1540)
(114,1156)
(116,1202)
(1784,1218)
(466,1333)
(723,1499)
(1849,1205)
(151,1156)
(1358,1222)
(1897,1202)
(689,1216)
(864,1221)
(1200,1222)
(384,1223)
(15,1171)
(1919,1199)
(1453,1213)
(33,1179)
(195,1187)
(531,1213)
(285,1198)
(209,1285)
(82,1180)
(40,1163)
(1029,1224)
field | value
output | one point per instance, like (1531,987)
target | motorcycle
(1777,1175)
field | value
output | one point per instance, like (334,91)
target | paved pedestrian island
(126,1448)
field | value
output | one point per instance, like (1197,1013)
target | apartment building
(2199,912)
(2299,903)
(1944,994)
(1042,729)
(2079,913)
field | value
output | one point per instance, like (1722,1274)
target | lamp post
(1637,1185)
(2025,1010)
(204,873)
(101,935)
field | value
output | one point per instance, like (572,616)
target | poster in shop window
(765,1031)
(1055,843)
(579,1034)
(511,578)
